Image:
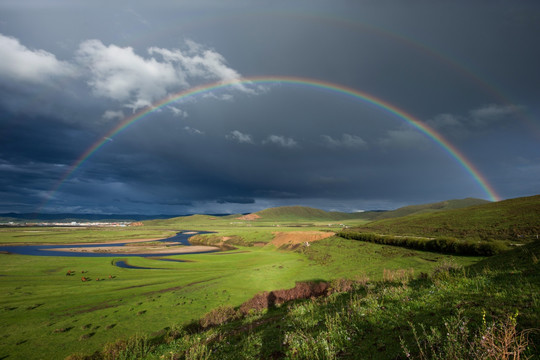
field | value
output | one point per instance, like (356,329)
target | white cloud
(193,131)
(479,118)
(111,115)
(404,138)
(487,114)
(236,135)
(223,97)
(199,62)
(281,141)
(119,73)
(22,64)
(178,112)
(347,140)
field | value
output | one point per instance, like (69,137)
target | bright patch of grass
(458,313)
(37,297)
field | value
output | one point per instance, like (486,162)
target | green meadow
(48,314)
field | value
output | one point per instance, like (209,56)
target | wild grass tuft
(496,340)
(135,347)
(219,315)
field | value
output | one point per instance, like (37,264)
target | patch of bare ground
(249,217)
(302,290)
(298,237)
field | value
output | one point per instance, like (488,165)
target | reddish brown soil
(249,217)
(299,237)
(302,290)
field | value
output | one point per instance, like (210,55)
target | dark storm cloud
(72,72)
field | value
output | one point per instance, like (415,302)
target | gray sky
(71,71)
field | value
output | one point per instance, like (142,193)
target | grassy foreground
(49,315)
(490,310)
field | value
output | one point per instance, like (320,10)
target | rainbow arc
(338,89)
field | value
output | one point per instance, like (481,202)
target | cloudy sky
(72,71)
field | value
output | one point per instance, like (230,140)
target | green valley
(376,296)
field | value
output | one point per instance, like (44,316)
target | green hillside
(425,208)
(486,311)
(192,220)
(515,220)
(299,213)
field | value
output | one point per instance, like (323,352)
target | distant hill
(425,208)
(299,213)
(189,220)
(304,213)
(67,217)
(515,220)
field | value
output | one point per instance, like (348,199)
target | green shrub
(447,245)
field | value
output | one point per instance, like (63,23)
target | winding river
(182,238)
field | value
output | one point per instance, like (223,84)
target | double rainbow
(312,83)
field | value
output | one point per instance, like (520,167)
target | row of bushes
(447,245)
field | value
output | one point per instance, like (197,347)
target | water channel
(182,238)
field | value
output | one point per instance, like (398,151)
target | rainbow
(312,83)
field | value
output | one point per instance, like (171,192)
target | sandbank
(138,250)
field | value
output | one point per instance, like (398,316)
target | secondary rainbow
(312,83)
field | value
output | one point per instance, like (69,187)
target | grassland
(424,209)
(43,308)
(490,310)
(512,221)
(47,314)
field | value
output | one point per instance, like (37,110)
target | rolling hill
(425,208)
(302,213)
(516,220)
